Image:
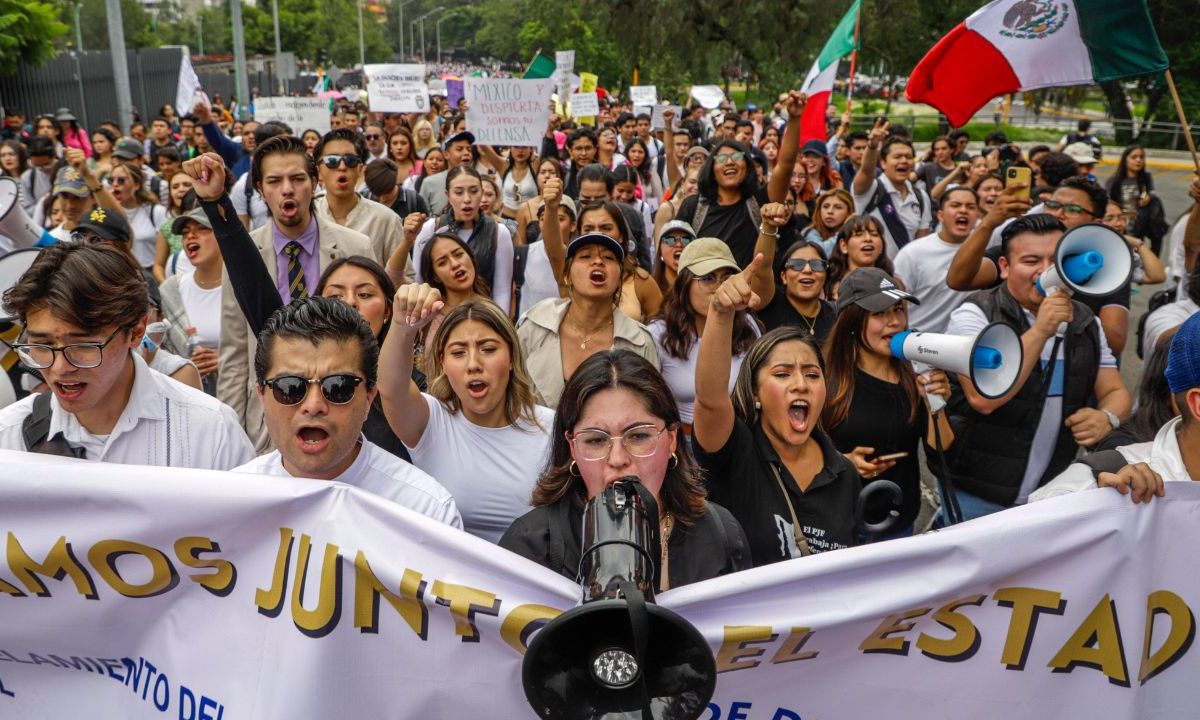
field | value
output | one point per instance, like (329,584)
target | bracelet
(762,231)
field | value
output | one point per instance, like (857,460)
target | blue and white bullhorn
(992,359)
(1091,260)
(15,224)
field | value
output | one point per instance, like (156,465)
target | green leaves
(28,29)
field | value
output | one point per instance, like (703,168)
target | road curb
(1156,164)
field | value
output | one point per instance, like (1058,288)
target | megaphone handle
(936,402)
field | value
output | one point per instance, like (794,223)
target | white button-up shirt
(164,423)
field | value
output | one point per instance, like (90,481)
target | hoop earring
(673,462)
(573,470)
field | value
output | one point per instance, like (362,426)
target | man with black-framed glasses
(83,309)
(316,367)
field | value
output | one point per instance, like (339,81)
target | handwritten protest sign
(397,88)
(301,113)
(584,105)
(643,94)
(564,65)
(508,111)
(657,121)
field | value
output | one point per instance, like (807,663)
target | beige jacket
(540,341)
(382,227)
(235,381)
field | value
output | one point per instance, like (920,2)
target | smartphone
(893,456)
(1019,175)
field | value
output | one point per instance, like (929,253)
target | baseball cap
(196,215)
(70,182)
(814,147)
(872,290)
(707,255)
(464,135)
(1183,359)
(596,239)
(676,226)
(107,224)
(128,149)
(566,202)
(1081,153)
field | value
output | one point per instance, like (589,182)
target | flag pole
(853,60)
(1187,129)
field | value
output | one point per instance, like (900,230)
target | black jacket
(550,536)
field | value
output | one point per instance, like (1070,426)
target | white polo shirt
(378,471)
(164,423)
(914,214)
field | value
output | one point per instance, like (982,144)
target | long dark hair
(22,159)
(746,387)
(412,145)
(386,286)
(682,492)
(1144,182)
(1153,399)
(644,169)
(680,319)
(846,340)
(708,176)
(425,168)
(479,287)
(839,261)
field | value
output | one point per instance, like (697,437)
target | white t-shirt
(681,374)
(501,280)
(144,221)
(540,283)
(490,472)
(913,214)
(258,207)
(969,319)
(1167,317)
(922,266)
(378,471)
(203,310)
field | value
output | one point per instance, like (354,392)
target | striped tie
(296,286)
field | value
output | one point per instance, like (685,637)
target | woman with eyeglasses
(478,429)
(878,409)
(490,242)
(860,244)
(673,238)
(617,418)
(704,264)
(401,151)
(127,183)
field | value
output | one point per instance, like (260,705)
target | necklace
(586,338)
(811,324)
(205,285)
(666,525)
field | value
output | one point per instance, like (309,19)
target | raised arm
(968,270)
(491,158)
(673,172)
(556,249)
(414,307)
(78,160)
(714,407)
(1191,231)
(789,148)
(865,177)
(762,283)
(229,151)
(958,176)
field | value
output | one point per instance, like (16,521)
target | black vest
(990,452)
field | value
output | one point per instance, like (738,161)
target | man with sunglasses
(296,246)
(922,264)
(376,141)
(341,159)
(316,368)
(83,307)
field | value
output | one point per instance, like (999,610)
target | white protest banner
(196,594)
(188,86)
(709,96)
(657,121)
(508,111)
(564,65)
(301,113)
(397,88)
(643,94)
(585,105)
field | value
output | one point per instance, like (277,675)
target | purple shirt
(309,261)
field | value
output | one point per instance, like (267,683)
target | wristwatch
(1112,418)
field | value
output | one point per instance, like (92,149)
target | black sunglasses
(332,161)
(798,264)
(292,389)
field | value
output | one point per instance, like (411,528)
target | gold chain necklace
(587,338)
(812,326)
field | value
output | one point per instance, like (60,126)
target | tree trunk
(1118,108)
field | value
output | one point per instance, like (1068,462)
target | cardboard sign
(709,96)
(508,111)
(643,94)
(301,113)
(397,88)
(564,62)
(585,105)
(657,121)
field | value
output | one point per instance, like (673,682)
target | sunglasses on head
(332,161)
(798,264)
(292,389)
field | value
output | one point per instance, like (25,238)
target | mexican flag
(1013,45)
(819,83)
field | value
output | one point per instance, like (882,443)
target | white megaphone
(1091,260)
(15,224)
(992,359)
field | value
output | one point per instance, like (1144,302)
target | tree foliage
(28,29)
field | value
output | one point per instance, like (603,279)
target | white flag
(189,84)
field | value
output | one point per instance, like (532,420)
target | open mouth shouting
(312,439)
(289,208)
(191,250)
(798,415)
(68,392)
(477,389)
(598,277)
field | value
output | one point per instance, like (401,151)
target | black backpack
(35,430)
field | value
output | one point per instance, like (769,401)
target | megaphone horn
(14,223)
(1091,260)
(992,359)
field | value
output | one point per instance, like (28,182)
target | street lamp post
(438,25)
(116,41)
(278,47)
(362,48)
(421,20)
(401,5)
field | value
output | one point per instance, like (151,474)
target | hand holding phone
(1019,176)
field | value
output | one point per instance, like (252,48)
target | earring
(674,462)
(573,470)
(757,405)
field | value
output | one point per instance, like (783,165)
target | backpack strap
(35,430)
(558,527)
(881,200)
(520,258)
(700,214)
(249,190)
(755,213)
